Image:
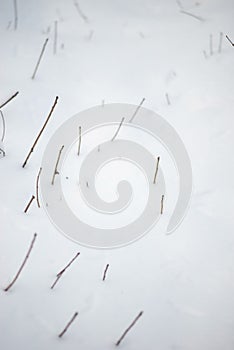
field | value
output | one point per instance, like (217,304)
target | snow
(184,281)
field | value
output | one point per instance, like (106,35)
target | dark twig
(3,126)
(137,109)
(22,266)
(82,15)
(41,131)
(230,41)
(68,325)
(79,142)
(15,15)
(156,170)
(9,99)
(59,275)
(104,275)
(162,202)
(192,15)
(128,329)
(55,36)
(29,203)
(56,172)
(40,57)
(220,42)
(117,131)
(37,187)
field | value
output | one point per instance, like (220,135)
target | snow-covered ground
(126,50)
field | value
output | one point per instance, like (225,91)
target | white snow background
(126,51)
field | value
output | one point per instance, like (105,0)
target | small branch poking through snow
(220,42)
(168,100)
(41,131)
(117,131)
(29,203)
(211,44)
(82,15)
(79,142)
(55,36)
(137,109)
(230,41)
(128,329)
(192,15)
(40,57)
(37,187)
(15,15)
(59,275)
(9,99)
(68,325)
(56,172)
(156,170)
(22,266)
(162,202)
(104,275)
(3,126)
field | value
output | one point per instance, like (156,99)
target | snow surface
(127,50)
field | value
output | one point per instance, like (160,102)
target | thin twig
(156,170)
(79,142)
(128,329)
(41,131)
(168,100)
(68,325)
(29,203)
(3,152)
(104,275)
(9,99)
(55,36)
(82,15)
(211,44)
(56,172)
(40,57)
(192,15)
(230,41)
(22,266)
(59,275)
(220,42)
(37,187)
(117,131)
(3,126)
(137,109)
(162,202)
(15,15)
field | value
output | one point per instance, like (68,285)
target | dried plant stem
(9,99)
(105,272)
(156,170)
(211,44)
(117,131)
(137,109)
(162,202)
(29,203)
(79,142)
(128,329)
(22,265)
(168,100)
(40,57)
(15,15)
(55,36)
(3,126)
(56,172)
(80,12)
(192,15)
(220,42)
(230,41)
(37,187)
(68,325)
(41,131)
(59,275)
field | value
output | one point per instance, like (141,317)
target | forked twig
(56,172)
(59,275)
(68,325)
(128,329)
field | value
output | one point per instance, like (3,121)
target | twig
(37,187)
(22,266)
(79,142)
(211,44)
(117,131)
(104,275)
(82,15)
(162,200)
(40,57)
(220,42)
(156,170)
(15,15)
(137,109)
(3,126)
(68,325)
(59,275)
(128,329)
(192,15)
(29,203)
(228,40)
(55,36)
(41,131)
(9,99)
(3,152)
(168,100)
(56,172)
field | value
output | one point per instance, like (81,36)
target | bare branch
(40,57)
(37,187)
(211,44)
(156,170)
(104,275)
(59,275)
(128,329)
(55,36)
(117,131)
(15,15)
(230,41)
(29,203)
(220,42)
(9,99)
(68,325)
(56,172)
(79,142)
(192,15)
(162,202)
(80,12)
(137,109)
(3,126)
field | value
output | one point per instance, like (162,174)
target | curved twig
(3,125)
